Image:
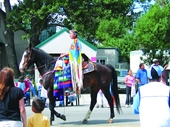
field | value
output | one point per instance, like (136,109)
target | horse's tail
(115,88)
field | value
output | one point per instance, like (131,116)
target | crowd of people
(13,98)
(28,87)
(151,102)
(152,99)
(152,96)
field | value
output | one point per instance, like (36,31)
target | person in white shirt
(164,73)
(42,92)
(152,102)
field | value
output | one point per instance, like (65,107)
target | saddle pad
(91,67)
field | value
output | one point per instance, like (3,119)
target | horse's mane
(45,57)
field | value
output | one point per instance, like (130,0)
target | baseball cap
(65,58)
(155,60)
(154,71)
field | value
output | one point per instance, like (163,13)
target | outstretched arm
(136,103)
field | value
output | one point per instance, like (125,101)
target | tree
(153,33)
(33,17)
(116,30)
(102,21)
(85,16)
(9,39)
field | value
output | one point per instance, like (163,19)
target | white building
(135,60)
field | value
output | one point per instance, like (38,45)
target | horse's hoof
(85,121)
(63,117)
(50,122)
(110,120)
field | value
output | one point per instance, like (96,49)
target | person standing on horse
(75,59)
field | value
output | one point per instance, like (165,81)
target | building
(108,56)
(135,60)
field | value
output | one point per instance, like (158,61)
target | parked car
(121,74)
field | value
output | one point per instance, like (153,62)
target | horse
(104,78)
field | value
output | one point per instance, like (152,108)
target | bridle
(28,56)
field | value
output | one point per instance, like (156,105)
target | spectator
(12,107)
(164,73)
(24,85)
(141,75)
(31,85)
(100,99)
(129,81)
(42,92)
(152,102)
(38,119)
(39,88)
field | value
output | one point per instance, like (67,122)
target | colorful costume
(68,75)
(62,79)
(76,63)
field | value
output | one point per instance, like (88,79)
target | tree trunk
(9,42)
(34,39)
(35,32)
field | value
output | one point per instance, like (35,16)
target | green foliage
(32,17)
(152,32)
(90,18)
(117,32)
(102,21)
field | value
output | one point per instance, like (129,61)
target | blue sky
(138,6)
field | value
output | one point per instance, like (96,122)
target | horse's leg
(53,112)
(110,101)
(51,107)
(61,116)
(93,95)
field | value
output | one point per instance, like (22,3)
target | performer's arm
(63,54)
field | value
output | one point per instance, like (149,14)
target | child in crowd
(39,88)
(38,119)
(42,92)
(129,81)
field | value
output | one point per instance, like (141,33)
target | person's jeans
(39,94)
(33,90)
(129,99)
(44,99)
(27,98)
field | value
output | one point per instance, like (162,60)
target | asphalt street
(75,115)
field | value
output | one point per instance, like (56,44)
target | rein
(48,72)
(44,64)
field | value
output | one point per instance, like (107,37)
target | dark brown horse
(102,78)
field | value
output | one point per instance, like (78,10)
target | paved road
(99,116)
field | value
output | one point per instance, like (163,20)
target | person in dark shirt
(12,107)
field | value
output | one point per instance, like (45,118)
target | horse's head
(26,60)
